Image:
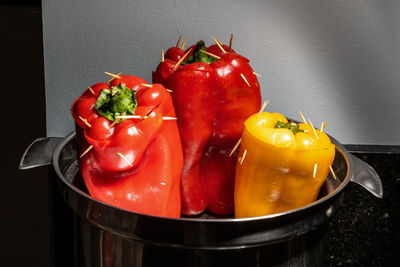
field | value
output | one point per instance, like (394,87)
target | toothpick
(143,117)
(243,156)
(85,121)
(333,173)
(312,126)
(122,156)
(302,117)
(162,55)
(182,59)
(263,106)
(146,85)
(113,78)
(112,75)
(219,45)
(210,54)
(184,43)
(230,43)
(86,151)
(322,127)
(315,169)
(169,118)
(244,79)
(218,41)
(255,73)
(116,121)
(91,90)
(325,124)
(179,40)
(168,90)
(235,147)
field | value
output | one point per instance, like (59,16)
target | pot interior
(68,166)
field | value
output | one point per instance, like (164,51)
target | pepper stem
(292,126)
(198,55)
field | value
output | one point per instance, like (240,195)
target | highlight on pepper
(130,153)
(214,90)
(282,165)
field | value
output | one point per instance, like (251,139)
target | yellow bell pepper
(281,165)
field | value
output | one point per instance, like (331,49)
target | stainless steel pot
(109,236)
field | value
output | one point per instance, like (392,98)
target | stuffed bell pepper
(214,90)
(129,147)
(281,165)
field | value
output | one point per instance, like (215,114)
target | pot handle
(367,177)
(39,153)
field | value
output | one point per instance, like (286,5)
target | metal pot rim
(339,149)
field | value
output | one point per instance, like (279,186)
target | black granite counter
(366,230)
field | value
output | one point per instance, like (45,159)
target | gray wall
(336,61)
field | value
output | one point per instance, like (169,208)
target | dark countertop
(366,230)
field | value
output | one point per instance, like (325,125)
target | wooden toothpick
(114,77)
(179,40)
(184,43)
(147,85)
(255,73)
(210,54)
(244,79)
(312,126)
(235,147)
(315,169)
(116,121)
(143,117)
(263,107)
(322,127)
(86,151)
(219,45)
(85,122)
(162,55)
(230,43)
(122,156)
(182,59)
(243,156)
(302,117)
(333,173)
(91,90)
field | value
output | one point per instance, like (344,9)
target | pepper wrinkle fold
(285,166)
(134,164)
(212,101)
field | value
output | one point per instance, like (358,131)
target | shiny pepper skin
(278,170)
(211,101)
(136,163)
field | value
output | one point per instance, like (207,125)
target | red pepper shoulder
(130,81)
(229,58)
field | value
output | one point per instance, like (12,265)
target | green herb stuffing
(115,102)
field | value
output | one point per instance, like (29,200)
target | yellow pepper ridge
(283,169)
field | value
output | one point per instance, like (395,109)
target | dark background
(24,195)
(365,232)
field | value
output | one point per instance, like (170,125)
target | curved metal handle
(367,177)
(39,153)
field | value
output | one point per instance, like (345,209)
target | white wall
(336,61)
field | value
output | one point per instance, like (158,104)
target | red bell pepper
(212,98)
(134,163)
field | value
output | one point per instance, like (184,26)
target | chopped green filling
(115,102)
